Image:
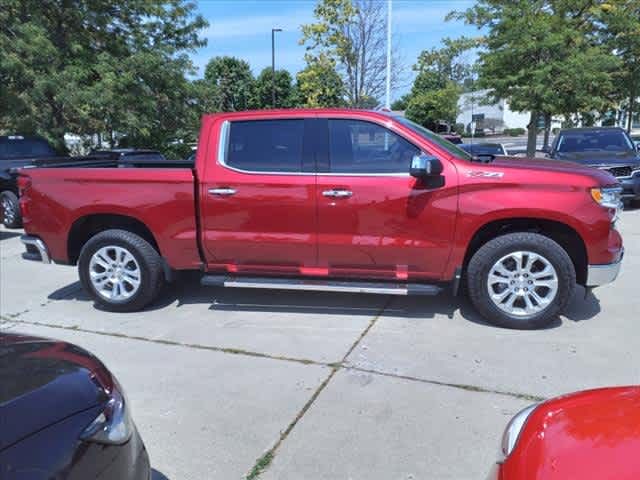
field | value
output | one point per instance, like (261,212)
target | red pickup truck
(338,200)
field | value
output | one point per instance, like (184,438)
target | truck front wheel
(120,270)
(521,280)
(10,209)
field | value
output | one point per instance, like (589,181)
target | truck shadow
(188,291)
(6,234)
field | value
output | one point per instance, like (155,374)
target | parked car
(17,151)
(606,148)
(64,415)
(453,138)
(336,200)
(588,435)
(484,150)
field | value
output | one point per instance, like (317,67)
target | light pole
(387,102)
(273,66)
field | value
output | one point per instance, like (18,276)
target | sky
(242,28)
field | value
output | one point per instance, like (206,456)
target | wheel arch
(84,228)
(565,235)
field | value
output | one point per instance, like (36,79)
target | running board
(385,288)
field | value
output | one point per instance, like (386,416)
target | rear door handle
(337,193)
(223,192)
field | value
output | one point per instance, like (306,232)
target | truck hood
(44,381)
(547,165)
(582,433)
(601,159)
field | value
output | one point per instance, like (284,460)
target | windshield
(25,148)
(593,141)
(483,148)
(432,137)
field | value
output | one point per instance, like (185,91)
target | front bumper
(36,249)
(598,275)
(630,186)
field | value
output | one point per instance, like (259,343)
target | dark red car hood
(44,381)
(587,435)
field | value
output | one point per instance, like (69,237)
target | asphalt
(230,384)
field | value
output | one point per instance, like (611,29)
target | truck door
(258,197)
(374,219)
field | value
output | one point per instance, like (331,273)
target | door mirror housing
(425,166)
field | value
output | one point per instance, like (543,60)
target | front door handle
(337,193)
(223,192)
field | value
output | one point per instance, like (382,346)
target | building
(475,112)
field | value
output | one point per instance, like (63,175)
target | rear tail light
(24,183)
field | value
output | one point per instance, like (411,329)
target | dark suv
(606,148)
(17,151)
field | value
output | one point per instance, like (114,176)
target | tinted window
(432,137)
(25,148)
(265,145)
(595,140)
(363,147)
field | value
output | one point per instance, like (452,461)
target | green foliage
(543,56)
(514,132)
(401,103)
(109,67)
(352,34)
(319,85)
(230,83)
(285,92)
(432,106)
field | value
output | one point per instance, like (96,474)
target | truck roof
(301,112)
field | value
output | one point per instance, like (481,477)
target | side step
(385,288)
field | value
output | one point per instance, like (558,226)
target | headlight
(514,427)
(608,197)
(113,426)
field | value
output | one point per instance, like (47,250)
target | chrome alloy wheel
(8,211)
(114,273)
(522,283)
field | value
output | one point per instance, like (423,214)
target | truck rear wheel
(120,270)
(521,280)
(10,209)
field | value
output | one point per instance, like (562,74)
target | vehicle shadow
(186,290)
(156,475)
(6,234)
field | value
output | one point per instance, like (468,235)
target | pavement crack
(460,386)
(263,463)
(160,341)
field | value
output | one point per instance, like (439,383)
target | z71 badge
(481,174)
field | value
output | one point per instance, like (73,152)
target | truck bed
(63,197)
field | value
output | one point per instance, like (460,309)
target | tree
(353,34)
(621,31)
(231,82)
(106,67)
(437,86)
(430,107)
(318,84)
(285,94)
(543,56)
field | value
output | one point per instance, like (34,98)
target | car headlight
(113,426)
(608,197)
(514,427)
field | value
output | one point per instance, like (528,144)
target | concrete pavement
(232,384)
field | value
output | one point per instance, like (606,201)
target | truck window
(357,146)
(265,145)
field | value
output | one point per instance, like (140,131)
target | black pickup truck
(17,151)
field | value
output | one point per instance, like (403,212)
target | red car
(592,435)
(338,200)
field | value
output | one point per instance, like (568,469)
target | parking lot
(328,386)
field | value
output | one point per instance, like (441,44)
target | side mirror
(423,166)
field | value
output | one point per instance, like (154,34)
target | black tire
(147,258)
(491,252)
(10,209)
